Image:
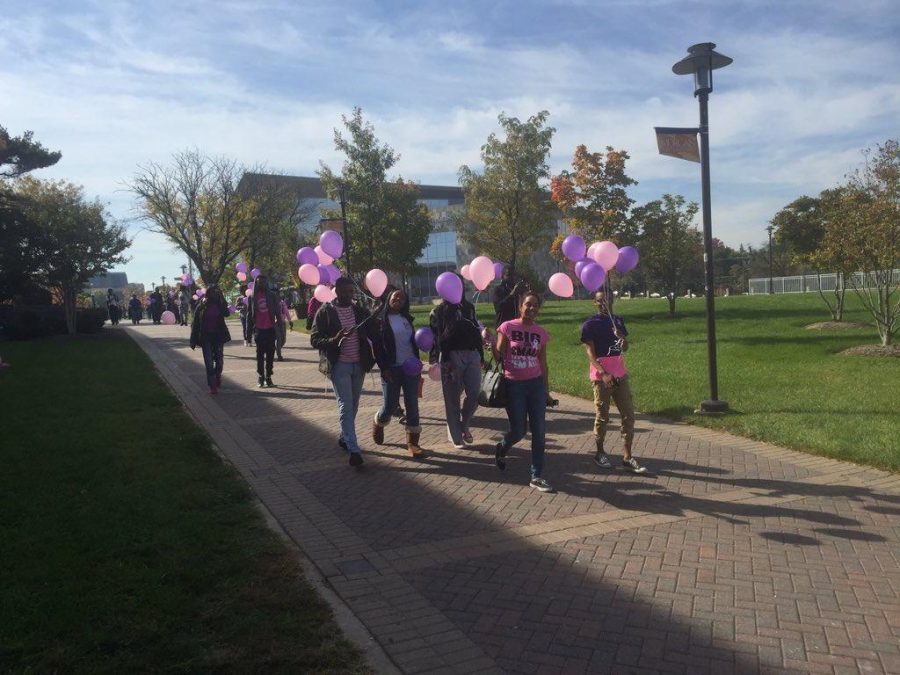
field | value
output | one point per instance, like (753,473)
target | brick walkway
(729,555)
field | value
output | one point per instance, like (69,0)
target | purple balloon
(449,287)
(424,339)
(241,267)
(255,272)
(333,274)
(498,270)
(231,308)
(324,274)
(331,243)
(592,276)
(580,265)
(412,366)
(628,259)
(573,247)
(307,256)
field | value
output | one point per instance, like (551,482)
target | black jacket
(455,327)
(327,325)
(197,331)
(383,340)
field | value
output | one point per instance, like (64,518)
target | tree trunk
(69,308)
(671,300)
(839,303)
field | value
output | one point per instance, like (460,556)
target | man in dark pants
(263,321)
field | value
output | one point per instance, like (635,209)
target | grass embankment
(784,384)
(127,544)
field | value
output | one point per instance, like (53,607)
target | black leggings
(265,349)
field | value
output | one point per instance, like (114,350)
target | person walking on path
(135,310)
(112,307)
(281,335)
(156,306)
(604,337)
(522,348)
(459,348)
(341,333)
(243,305)
(394,345)
(507,296)
(184,302)
(210,332)
(263,323)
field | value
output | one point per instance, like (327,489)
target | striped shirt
(350,345)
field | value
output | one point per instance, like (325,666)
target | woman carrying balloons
(397,355)
(341,334)
(263,322)
(458,347)
(522,348)
(210,332)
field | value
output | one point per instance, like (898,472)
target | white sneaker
(458,446)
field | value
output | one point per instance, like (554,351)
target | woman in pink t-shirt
(522,348)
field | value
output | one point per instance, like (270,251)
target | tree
(866,228)
(507,212)
(802,225)
(671,246)
(196,204)
(593,195)
(74,240)
(387,228)
(21,154)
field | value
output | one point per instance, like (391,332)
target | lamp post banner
(678,142)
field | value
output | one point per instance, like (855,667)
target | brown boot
(377,432)
(412,444)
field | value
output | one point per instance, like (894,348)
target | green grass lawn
(784,384)
(128,546)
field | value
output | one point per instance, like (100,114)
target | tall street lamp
(342,193)
(771,285)
(700,62)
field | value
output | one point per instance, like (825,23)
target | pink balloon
(241,277)
(465,272)
(194,297)
(434,372)
(323,293)
(309,274)
(168,318)
(324,258)
(376,282)
(606,255)
(592,251)
(201,292)
(482,271)
(249,292)
(560,284)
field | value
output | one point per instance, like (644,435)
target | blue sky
(117,84)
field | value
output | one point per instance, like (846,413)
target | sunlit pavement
(728,555)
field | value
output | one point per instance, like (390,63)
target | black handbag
(493,387)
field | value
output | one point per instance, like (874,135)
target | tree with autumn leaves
(593,196)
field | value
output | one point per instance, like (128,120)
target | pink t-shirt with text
(524,345)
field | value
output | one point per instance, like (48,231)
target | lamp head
(701,61)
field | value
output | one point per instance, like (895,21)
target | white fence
(810,283)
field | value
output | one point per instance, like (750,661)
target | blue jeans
(390,397)
(347,380)
(527,399)
(212,358)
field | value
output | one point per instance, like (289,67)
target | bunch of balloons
(592,264)
(317,266)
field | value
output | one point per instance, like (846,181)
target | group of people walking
(352,339)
